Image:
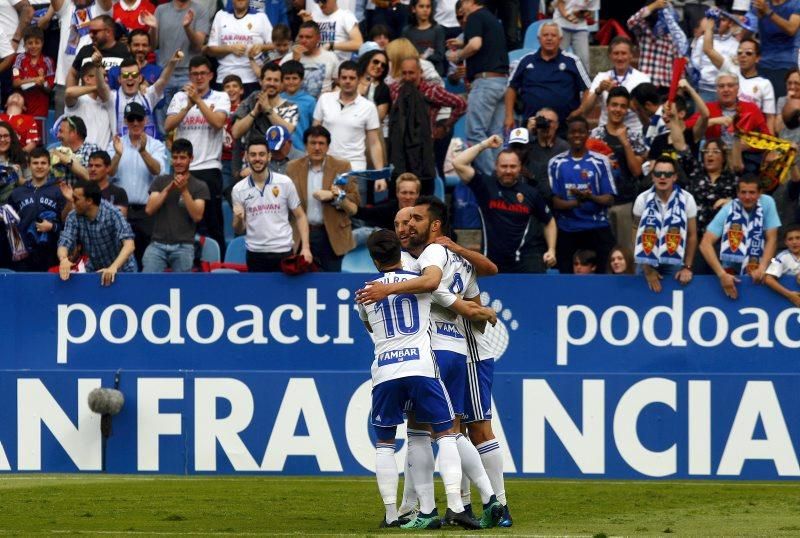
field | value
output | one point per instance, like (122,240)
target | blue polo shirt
(555,83)
(592,172)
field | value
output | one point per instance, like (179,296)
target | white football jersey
(400,330)
(458,280)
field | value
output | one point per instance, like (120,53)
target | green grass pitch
(199,506)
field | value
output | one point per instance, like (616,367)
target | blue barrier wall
(596,376)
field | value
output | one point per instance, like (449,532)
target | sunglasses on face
(378,62)
(664,174)
(132,74)
(746,53)
(134,119)
(200,74)
(712,151)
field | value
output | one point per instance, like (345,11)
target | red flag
(678,65)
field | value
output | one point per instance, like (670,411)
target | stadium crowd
(679,160)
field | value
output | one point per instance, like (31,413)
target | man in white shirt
(725,44)
(74,17)
(199,114)
(339,30)
(129,91)
(320,64)
(352,120)
(620,52)
(261,205)
(235,39)
(92,102)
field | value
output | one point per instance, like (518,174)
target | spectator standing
(176,204)
(236,38)
(353,124)
(73,155)
(74,18)
(748,229)
(665,227)
(426,34)
(445,15)
(583,189)
(509,206)
(319,64)
(281,151)
(657,48)
(572,17)
(261,205)
(129,91)
(129,13)
(139,45)
(178,25)
(231,85)
(33,73)
(752,87)
(105,235)
(672,118)
(292,73)
(99,169)
(718,36)
(199,114)
(92,100)
(373,67)
(548,78)
(41,207)
(135,160)
(111,52)
(25,125)
(263,109)
(486,57)
(620,52)
(628,152)
(328,206)
(339,32)
(544,144)
(778,23)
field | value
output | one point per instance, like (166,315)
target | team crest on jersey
(520,197)
(735,236)
(673,239)
(249,25)
(276,190)
(649,238)
(562,66)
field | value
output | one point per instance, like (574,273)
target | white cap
(518,136)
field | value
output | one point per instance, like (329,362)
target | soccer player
(403,370)
(427,222)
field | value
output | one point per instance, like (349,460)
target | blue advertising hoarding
(595,376)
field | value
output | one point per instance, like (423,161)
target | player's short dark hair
(293,67)
(102,155)
(585,257)
(618,91)
(749,178)
(76,124)
(270,66)
(200,61)
(666,159)
(86,69)
(437,210)
(181,145)
(310,24)
(138,32)
(256,141)
(32,32)
(232,78)
(348,65)
(316,130)
(91,190)
(39,152)
(129,61)
(384,247)
(281,32)
(789,228)
(646,92)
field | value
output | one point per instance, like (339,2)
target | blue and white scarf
(11,219)
(662,240)
(667,23)
(743,236)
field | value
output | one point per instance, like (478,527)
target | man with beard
(101,30)
(261,205)
(261,110)
(508,204)
(176,203)
(453,277)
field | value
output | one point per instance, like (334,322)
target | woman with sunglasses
(13,161)
(372,70)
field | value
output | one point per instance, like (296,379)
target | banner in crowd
(595,377)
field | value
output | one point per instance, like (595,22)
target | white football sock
(450,470)
(472,466)
(492,458)
(386,473)
(420,469)
(466,492)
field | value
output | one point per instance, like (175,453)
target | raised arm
(463,161)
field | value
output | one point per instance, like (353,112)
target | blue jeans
(485,111)
(159,256)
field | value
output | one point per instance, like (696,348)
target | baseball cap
(367,46)
(277,135)
(135,109)
(518,136)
